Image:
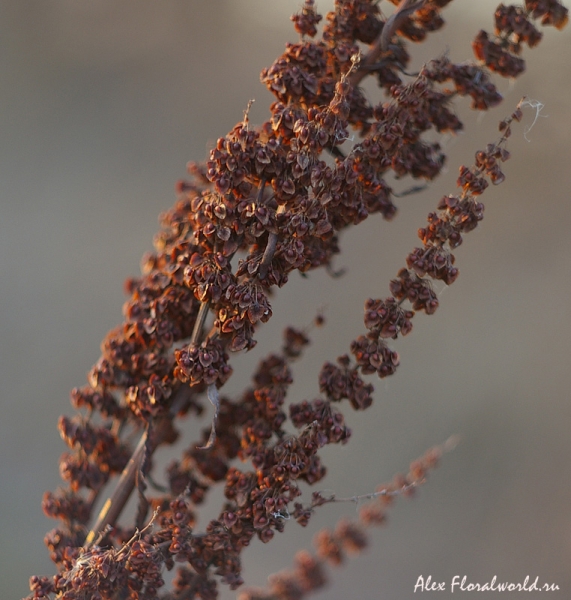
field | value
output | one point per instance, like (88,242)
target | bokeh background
(103,103)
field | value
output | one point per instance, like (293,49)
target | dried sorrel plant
(270,200)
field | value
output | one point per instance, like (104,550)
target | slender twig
(260,193)
(268,255)
(199,323)
(116,503)
(372,495)
(381,44)
(336,152)
(212,393)
(270,250)
(387,490)
(412,190)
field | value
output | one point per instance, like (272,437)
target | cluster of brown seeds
(270,200)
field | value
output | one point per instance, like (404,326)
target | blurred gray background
(104,102)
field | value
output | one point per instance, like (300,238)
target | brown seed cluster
(270,200)
(348,538)
(514,27)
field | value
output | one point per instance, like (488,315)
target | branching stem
(270,250)
(381,44)
(199,323)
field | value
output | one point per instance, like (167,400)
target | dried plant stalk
(270,200)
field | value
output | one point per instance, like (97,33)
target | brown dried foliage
(266,203)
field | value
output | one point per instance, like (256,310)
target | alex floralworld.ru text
(461,584)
